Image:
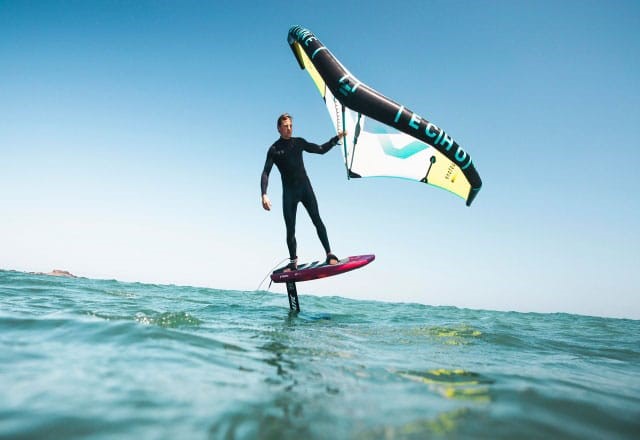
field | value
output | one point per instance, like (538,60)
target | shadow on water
(280,409)
(320,384)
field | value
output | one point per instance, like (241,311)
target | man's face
(285,129)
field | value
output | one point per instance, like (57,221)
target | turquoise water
(83,358)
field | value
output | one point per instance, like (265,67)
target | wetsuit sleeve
(264,180)
(319,149)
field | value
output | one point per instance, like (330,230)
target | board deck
(317,269)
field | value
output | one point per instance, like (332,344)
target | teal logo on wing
(402,153)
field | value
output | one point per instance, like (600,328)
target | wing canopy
(384,138)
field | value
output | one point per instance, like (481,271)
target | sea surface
(83,358)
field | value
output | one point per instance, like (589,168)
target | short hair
(284,116)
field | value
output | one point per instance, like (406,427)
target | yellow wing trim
(306,64)
(447,175)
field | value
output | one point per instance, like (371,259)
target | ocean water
(82,358)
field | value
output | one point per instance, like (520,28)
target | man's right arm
(264,181)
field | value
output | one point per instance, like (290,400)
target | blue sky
(133,134)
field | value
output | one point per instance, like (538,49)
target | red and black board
(315,270)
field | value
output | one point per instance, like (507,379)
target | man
(286,153)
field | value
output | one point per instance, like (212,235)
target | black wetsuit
(296,187)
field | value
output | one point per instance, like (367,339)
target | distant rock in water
(57,273)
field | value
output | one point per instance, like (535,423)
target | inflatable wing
(384,138)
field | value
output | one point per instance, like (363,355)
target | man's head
(285,125)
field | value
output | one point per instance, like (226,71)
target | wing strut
(355,141)
(344,141)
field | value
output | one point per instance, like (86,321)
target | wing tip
(472,195)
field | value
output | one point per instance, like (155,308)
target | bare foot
(332,259)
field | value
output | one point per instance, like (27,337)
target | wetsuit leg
(310,203)
(289,208)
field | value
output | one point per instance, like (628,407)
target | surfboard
(317,269)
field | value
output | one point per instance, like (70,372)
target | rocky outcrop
(57,273)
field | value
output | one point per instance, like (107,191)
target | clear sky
(133,135)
